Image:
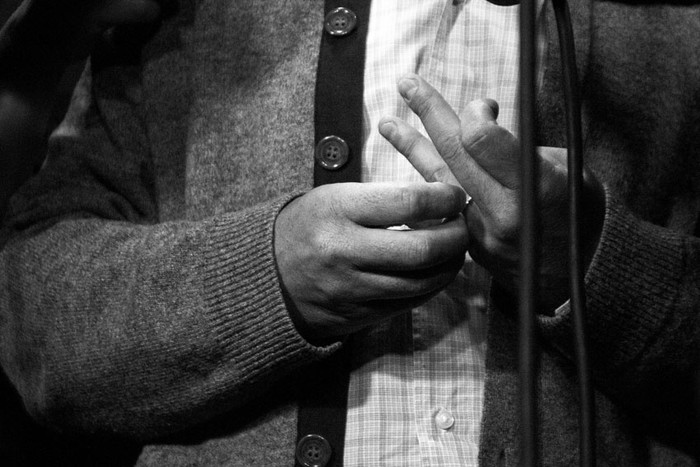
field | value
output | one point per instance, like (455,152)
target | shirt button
(332,152)
(444,419)
(340,22)
(313,451)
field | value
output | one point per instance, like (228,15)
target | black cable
(528,239)
(576,267)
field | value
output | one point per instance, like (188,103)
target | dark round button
(340,22)
(332,152)
(313,451)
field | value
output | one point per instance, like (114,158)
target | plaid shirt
(416,391)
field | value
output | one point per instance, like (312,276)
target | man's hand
(483,157)
(345,270)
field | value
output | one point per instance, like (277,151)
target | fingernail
(387,128)
(408,86)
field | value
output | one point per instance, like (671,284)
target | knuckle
(506,232)
(478,137)
(317,241)
(505,225)
(428,102)
(324,199)
(450,148)
(440,174)
(328,248)
(491,244)
(423,252)
(411,201)
(410,144)
(423,100)
(334,288)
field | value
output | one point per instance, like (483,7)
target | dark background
(23,442)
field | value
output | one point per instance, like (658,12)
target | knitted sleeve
(643,299)
(112,322)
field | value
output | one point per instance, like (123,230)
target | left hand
(483,158)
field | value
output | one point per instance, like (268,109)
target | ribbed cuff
(630,284)
(244,295)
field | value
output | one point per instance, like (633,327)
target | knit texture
(139,294)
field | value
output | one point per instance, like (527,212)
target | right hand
(474,151)
(344,270)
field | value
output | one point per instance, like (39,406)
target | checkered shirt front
(416,390)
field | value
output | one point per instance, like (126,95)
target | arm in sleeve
(114,323)
(643,304)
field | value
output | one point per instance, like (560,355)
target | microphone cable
(527,351)
(576,267)
(530,230)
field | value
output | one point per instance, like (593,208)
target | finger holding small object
(419,151)
(391,203)
(423,155)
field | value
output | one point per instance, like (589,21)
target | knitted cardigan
(141,316)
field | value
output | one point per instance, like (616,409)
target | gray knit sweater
(139,298)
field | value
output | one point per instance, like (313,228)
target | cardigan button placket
(340,22)
(332,152)
(313,451)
